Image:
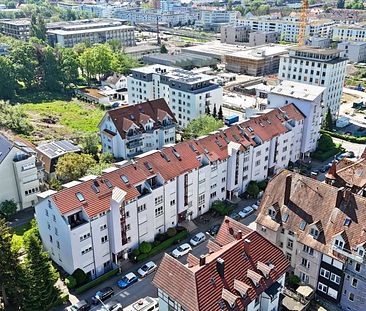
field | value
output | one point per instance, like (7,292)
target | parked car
(340,156)
(350,154)
(197,239)
(102,295)
(147,268)
(214,230)
(115,105)
(234,215)
(127,280)
(82,305)
(246,211)
(325,168)
(181,250)
(111,306)
(255,206)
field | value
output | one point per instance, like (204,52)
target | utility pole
(157,31)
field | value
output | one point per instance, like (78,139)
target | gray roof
(55,149)
(5,147)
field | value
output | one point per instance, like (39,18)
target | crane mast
(303,22)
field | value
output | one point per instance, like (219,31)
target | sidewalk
(22,217)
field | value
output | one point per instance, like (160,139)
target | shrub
(160,237)
(253,189)
(325,143)
(64,297)
(262,184)
(171,232)
(221,208)
(70,282)
(350,138)
(96,281)
(293,280)
(8,208)
(80,277)
(145,247)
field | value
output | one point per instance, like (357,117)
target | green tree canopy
(8,208)
(325,143)
(91,144)
(201,126)
(69,66)
(73,166)
(51,70)
(7,78)
(328,123)
(12,118)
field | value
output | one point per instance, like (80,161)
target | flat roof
(63,32)
(16,22)
(261,52)
(298,90)
(55,149)
(141,48)
(315,50)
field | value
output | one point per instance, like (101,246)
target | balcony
(347,253)
(134,144)
(76,220)
(133,136)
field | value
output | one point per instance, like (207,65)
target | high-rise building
(322,67)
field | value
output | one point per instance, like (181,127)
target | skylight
(284,217)
(95,188)
(177,155)
(165,156)
(347,221)
(108,183)
(124,179)
(80,196)
(302,225)
(148,166)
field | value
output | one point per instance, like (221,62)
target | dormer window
(314,232)
(272,213)
(338,243)
(361,251)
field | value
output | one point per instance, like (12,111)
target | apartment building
(309,100)
(148,16)
(320,229)
(259,61)
(322,67)
(241,271)
(289,28)
(98,220)
(354,51)
(351,32)
(16,28)
(92,31)
(233,34)
(187,93)
(214,19)
(20,174)
(131,130)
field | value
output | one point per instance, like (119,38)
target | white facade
(354,51)
(214,19)
(289,29)
(187,93)
(322,67)
(349,33)
(308,99)
(19,175)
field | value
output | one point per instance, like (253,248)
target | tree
(80,276)
(325,143)
(73,166)
(220,115)
(214,113)
(229,6)
(39,292)
(202,125)
(9,271)
(106,157)
(91,144)
(253,189)
(38,27)
(122,63)
(207,110)
(163,49)
(51,70)
(69,66)
(328,123)
(7,78)
(8,208)
(13,118)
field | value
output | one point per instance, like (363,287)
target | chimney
(220,267)
(286,199)
(247,247)
(239,235)
(202,260)
(339,197)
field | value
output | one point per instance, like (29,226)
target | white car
(182,250)
(255,207)
(246,211)
(147,268)
(197,239)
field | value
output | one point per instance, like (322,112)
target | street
(144,287)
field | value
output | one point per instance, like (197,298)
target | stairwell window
(159,211)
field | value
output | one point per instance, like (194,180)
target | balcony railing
(76,223)
(347,253)
(134,136)
(134,144)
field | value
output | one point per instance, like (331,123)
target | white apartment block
(289,29)
(354,51)
(353,32)
(19,174)
(94,31)
(187,93)
(131,130)
(98,220)
(322,67)
(214,19)
(137,16)
(309,100)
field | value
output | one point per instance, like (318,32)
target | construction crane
(303,22)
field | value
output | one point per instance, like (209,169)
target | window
(86,250)
(354,282)
(48,226)
(324,273)
(271,213)
(201,199)
(172,202)
(56,231)
(256,303)
(308,249)
(335,278)
(159,211)
(58,244)
(332,293)
(304,277)
(54,218)
(305,263)
(357,267)
(288,256)
(351,297)
(159,200)
(127,214)
(339,243)
(323,288)
(51,239)
(257,163)
(290,244)
(314,232)
(103,227)
(212,195)
(263,229)
(128,227)
(85,236)
(223,189)
(141,208)
(104,239)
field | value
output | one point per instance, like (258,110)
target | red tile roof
(201,287)
(124,117)
(172,162)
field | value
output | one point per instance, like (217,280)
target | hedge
(322,156)
(96,281)
(350,138)
(164,245)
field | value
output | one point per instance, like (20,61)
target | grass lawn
(72,117)
(17,240)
